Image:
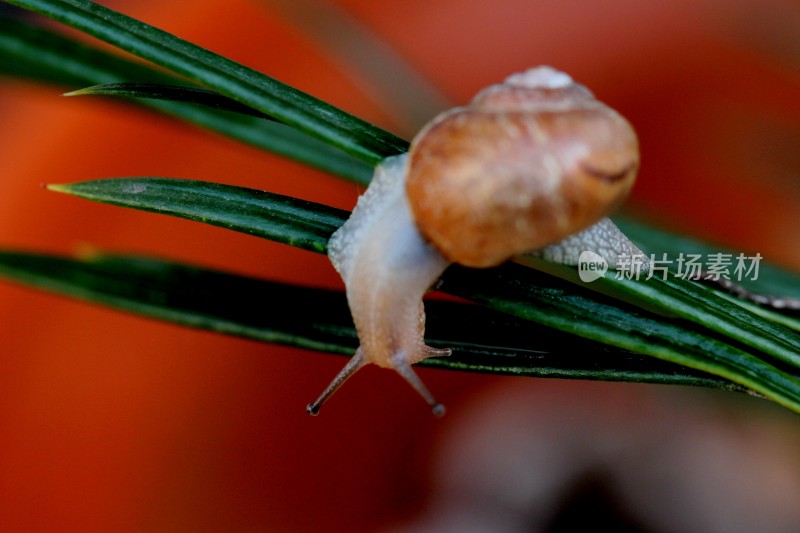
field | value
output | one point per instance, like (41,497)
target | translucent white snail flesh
(533,163)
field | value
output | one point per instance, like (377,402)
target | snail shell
(527,163)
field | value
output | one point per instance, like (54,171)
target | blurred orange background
(110,422)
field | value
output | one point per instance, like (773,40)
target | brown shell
(485,185)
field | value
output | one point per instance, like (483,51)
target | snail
(533,163)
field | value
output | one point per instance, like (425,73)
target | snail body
(530,164)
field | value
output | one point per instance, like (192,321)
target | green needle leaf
(45,56)
(699,304)
(772,280)
(286,104)
(170,93)
(537,296)
(272,216)
(482,340)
